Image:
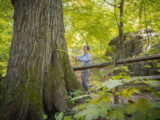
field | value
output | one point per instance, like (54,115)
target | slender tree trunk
(39,74)
(120,27)
(121,35)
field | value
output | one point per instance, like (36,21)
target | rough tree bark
(39,75)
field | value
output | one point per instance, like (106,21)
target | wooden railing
(123,61)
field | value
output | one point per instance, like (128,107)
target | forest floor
(84,99)
(145,94)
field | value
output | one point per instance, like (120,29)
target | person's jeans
(84,78)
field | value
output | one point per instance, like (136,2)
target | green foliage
(45,116)
(141,105)
(101,104)
(74,96)
(6,13)
(86,23)
(110,84)
(59,116)
(74,99)
(147,66)
(143,109)
(129,92)
(93,22)
(67,118)
(93,111)
(116,115)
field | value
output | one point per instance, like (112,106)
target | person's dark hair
(87,47)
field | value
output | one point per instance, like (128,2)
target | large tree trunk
(39,74)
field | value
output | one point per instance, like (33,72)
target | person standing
(86,59)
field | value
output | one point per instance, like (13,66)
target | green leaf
(45,116)
(154,113)
(93,111)
(59,116)
(132,108)
(147,66)
(154,83)
(67,118)
(143,104)
(110,84)
(138,115)
(156,93)
(155,105)
(78,97)
(116,115)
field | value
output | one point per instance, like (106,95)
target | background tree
(119,24)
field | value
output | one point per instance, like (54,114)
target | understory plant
(102,105)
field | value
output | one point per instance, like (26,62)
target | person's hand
(74,56)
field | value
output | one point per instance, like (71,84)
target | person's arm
(84,58)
